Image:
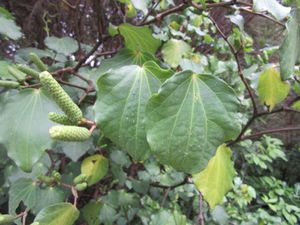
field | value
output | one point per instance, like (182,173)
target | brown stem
(256,116)
(239,65)
(271,131)
(262,15)
(165,197)
(201,213)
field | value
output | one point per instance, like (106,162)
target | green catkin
(59,95)
(6,218)
(80,179)
(25,69)
(38,62)
(81,186)
(61,119)
(69,133)
(9,84)
(16,73)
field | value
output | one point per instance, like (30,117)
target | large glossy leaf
(139,38)
(120,107)
(272,6)
(58,214)
(24,126)
(216,179)
(173,51)
(9,28)
(289,51)
(189,118)
(65,45)
(271,89)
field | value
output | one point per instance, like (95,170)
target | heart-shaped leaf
(189,118)
(120,107)
(24,126)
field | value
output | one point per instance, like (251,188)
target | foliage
(163,113)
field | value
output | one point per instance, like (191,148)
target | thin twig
(262,15)
(277,130)
(150,12)
(256,116)
(185,181)
(240,70)
(165,197)
(201,213)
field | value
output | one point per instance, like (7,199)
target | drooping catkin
(61,119)
(69,133)
(9,84)
(28,71)
(59,95)
(38,62)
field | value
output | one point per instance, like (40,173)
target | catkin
(59,95)
(61,119)
(38,62)
(9,84)
(69,133)
(28,71)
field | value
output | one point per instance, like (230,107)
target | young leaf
(271,89)
(24,126)
(289,50)
(65,45)
(189,118)
(139,38)
(10,29)
(124,57)
(216,179)
(120,107)
(95,167)
(272,6)
(173,51)
(61,213)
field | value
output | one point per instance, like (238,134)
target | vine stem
(201,213)
(238,62)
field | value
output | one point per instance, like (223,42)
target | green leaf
(296,105)
(48,196)
(173,51)
(4,65)
(91,211)
(216,179)
(189,118)
(120,107)
(10,29)
(35,198)
(272,6)
(167,217)
(24,126)
(139,38)
(58,214)
(289,50)
(95,167)
(271,89)
(124,57)
(23,190)
(65,45)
